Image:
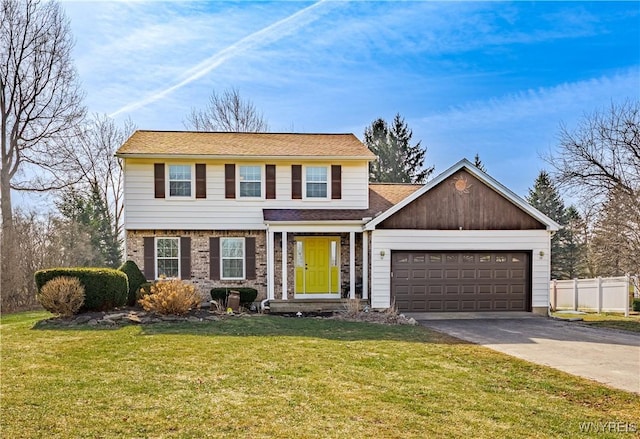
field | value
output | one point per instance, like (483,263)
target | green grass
(262,377)
(608,320)
(614,321)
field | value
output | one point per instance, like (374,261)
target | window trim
(327,182)
(244,258)
(178,257)
(262,181)
(192,196)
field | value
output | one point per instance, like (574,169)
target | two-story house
(294,216)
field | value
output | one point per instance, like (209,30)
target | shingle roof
(381,197)
(173,143)
(314,214)
(483,177)
(384,195)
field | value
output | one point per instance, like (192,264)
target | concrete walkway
(607,356)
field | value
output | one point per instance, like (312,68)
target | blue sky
(494,78)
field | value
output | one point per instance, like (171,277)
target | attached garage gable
(462,242)
(462,201)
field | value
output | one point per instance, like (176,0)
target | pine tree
(545,197)
(92,216)
(478,163)
(398,160)
(574,245)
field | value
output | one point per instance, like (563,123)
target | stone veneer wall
(200,257)
(344,262)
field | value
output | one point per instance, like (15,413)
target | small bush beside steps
(247,295)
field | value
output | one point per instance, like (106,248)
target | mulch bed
(137,316)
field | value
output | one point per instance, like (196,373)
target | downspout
(551,234)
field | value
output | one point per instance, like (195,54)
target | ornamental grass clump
(62,295)
(171,297)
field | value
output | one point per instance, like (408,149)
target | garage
(462,242)
(438,281)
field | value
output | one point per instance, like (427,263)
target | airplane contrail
(269,34)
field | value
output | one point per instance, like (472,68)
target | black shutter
(229,181)
(296,182)
(158,180)
(185,258)
(149,258)
(336,182)
(271,182)
(214,258)
(201,180)
(250,258)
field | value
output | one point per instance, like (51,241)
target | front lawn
(264,376)
(608,320)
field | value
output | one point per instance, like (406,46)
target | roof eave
(241,157)
(316,222)
(550,224)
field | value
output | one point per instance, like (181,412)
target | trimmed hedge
(636,304)
(136,280)
(247,295)
(104,288)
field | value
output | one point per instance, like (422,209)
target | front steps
(277,306)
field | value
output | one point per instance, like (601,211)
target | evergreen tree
(545,197)
(616,236)
(573,247)
(398,160)
(478,163)
(92,216)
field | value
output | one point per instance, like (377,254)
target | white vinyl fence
(602,294)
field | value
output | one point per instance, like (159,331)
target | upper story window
(180,180)
(250,181)
(316,182)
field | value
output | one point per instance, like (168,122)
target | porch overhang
(315,222)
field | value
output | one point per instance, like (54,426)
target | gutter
(237,157)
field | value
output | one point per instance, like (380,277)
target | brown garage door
(467,281)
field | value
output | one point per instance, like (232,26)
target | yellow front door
(317,265)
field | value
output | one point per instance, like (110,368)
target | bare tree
(227,112)
(40,102)
(599,161)
(616,237)
(602,153)
(95,166)
(42,241)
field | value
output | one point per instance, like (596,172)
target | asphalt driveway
(607,356)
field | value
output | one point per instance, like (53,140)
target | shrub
(62,295)
(220,295)
(636,305)
(104,288)
(136,280)
(247,295)
(352,307)
(171,297)
(145,288)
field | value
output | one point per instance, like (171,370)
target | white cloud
(265,36)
